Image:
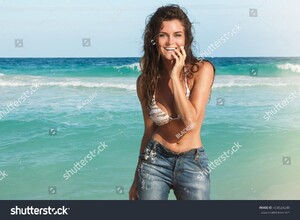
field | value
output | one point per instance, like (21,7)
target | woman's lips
(170,48)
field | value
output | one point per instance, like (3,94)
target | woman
(173,90)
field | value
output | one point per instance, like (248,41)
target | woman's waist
(179,146)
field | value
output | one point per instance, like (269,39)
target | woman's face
(170,37)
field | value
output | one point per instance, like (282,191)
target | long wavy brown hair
(150,62)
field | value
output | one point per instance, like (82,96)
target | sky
(97,28)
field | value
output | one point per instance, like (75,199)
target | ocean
(57,114)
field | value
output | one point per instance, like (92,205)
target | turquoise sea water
(54,112)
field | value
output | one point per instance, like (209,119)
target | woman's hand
(133,192)
(179,56)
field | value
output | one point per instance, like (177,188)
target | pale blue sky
(55,28)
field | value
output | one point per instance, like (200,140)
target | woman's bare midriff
(166,135)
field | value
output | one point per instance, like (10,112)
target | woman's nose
(170,40)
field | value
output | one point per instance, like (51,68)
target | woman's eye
(178,35)
(162,35)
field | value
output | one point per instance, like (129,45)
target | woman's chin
(168,57)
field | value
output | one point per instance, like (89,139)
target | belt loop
(196,156)
(154,145)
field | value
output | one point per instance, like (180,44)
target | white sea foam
(133,66)
(72,84)
(130,83)
(288,66)
(251,81)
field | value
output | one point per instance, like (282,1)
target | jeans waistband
(165,150)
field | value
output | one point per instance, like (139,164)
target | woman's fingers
(133,193)
(183,51)
(175,55)
(179,55)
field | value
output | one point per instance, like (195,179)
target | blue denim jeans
(161,170)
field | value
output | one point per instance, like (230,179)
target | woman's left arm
(191,110)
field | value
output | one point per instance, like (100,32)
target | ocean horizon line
(122,57)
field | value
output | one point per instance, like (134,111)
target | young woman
(173,90)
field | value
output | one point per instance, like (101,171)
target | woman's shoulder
(205,73)
(206,66)
(139,86)
(139,82)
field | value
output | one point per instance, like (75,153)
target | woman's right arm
(149,128)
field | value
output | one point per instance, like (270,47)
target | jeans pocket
(149,153)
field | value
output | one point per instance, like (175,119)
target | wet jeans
(161,170)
